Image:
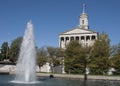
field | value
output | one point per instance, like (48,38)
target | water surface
(7,80)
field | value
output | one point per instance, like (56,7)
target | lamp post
(85,68)
(85,71)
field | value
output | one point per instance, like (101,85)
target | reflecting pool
(8,80)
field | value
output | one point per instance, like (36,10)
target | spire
(84,19)
(84,5)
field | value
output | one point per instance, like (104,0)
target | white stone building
(82,33)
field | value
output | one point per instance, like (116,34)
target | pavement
(93,77)
(11,70)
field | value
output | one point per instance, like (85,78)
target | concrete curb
(93,77)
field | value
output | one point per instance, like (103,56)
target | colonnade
(84,40)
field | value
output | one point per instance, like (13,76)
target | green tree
(114,50)
(41,57)
(117,51)
(100,55)
(60,56)
(15,49)
(4,51)
(115,59)
(75,57)
(60,52)
(53,57)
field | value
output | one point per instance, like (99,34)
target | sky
(52,17)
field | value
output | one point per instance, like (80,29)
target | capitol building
(82,33)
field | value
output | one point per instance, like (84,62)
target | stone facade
(82,33)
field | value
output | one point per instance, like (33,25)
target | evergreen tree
(15,49)
(4,51)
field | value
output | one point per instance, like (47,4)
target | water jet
(26,65)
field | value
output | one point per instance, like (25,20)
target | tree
(114,50)
(115,59)
(100,55)
(53,57)
(4,51)
(117,51)
(15,49)
(41,57)
(60,52)
(75,57)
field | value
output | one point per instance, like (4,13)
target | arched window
(82,37)
(83,22)
(72,38)
(67,38)
(77,37)
(93,37)
(87,38)
(62,38)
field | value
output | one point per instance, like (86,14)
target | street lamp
(85,66)
(86,71)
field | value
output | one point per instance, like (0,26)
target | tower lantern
(84,19)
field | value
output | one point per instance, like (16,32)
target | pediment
(78,31)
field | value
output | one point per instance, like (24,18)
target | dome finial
(84,5)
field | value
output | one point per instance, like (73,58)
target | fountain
(25,69)
(25,72)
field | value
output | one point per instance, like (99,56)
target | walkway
(94,77)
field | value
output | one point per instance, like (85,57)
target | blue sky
(51,17)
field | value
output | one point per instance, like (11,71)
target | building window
(67,38)
(72,38)
(77,38)
(93,37)
(62,38)
(82,37)
(83,22)
(87,38)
